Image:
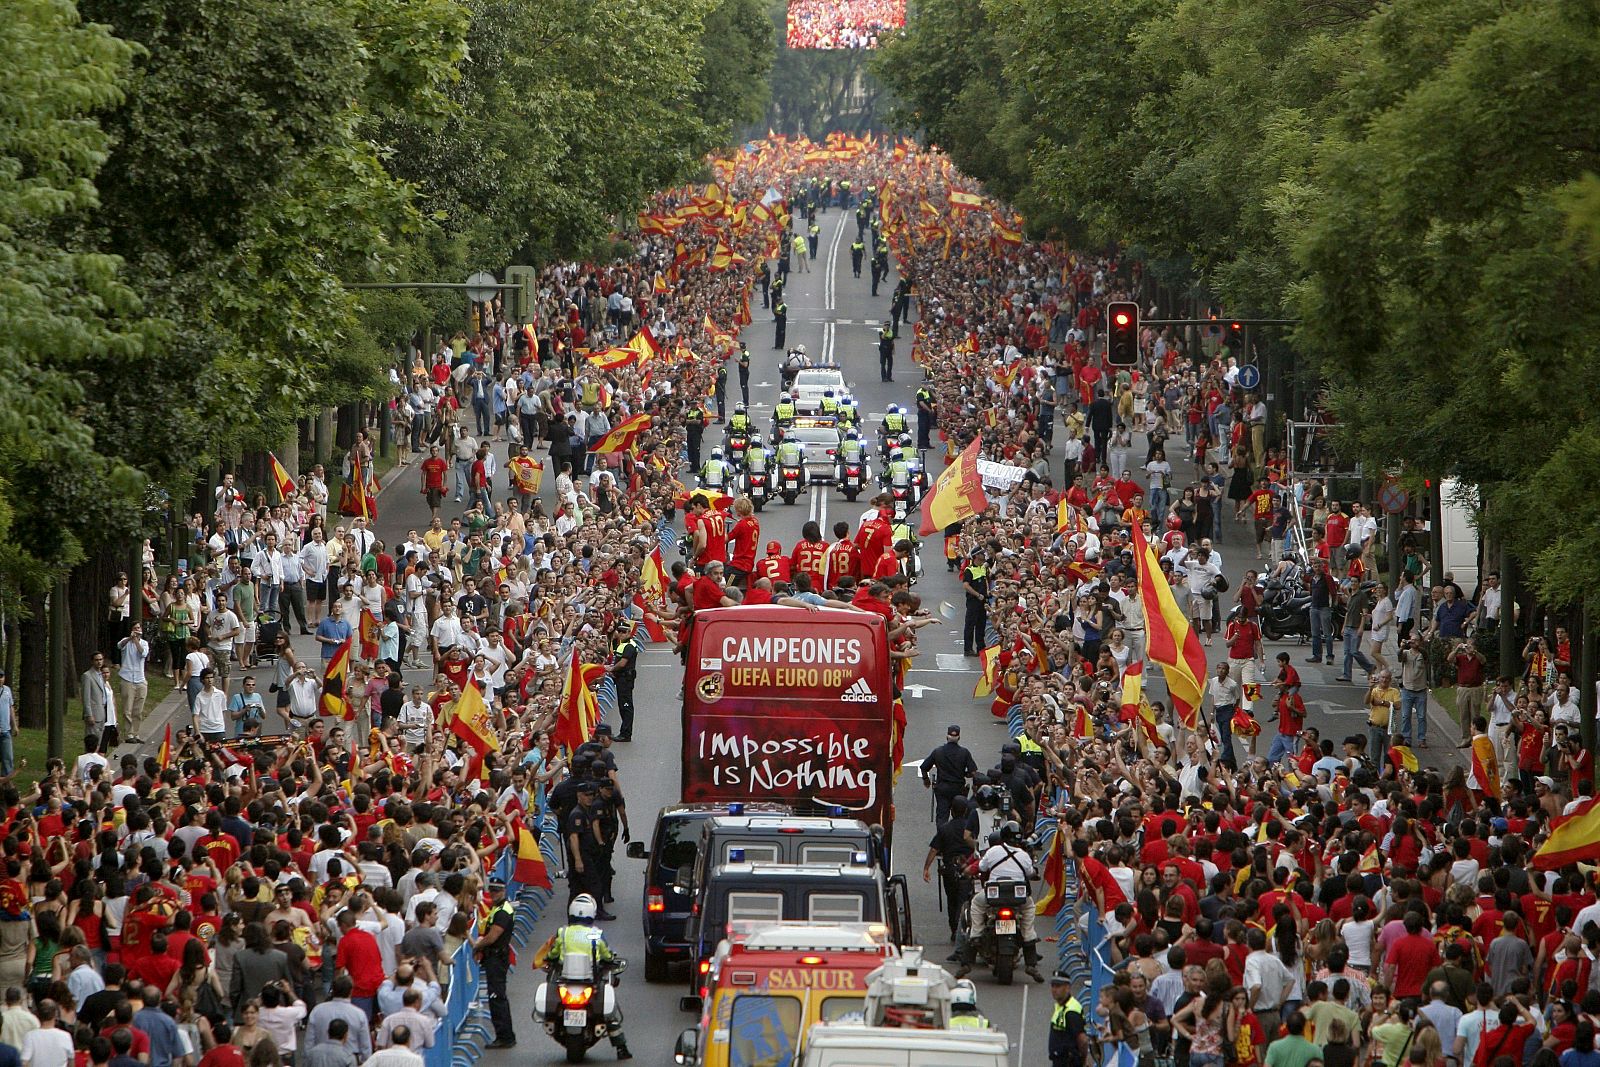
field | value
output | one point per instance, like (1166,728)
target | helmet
(738,409)
(827,392)
(1011,832)
(800,349)
(852,435)
(716,453)
(755,441)
(905,440)
(894,409)
(964,995)
(784,398)
(995,837)
(582,909)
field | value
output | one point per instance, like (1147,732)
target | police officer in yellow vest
(830,403)
(583,938)
(494,952)
(800,257)
(783,414)
(815,233)
(1069,1038)
(857,251)
(740,423)
(925,418)
(964,1013)
(849,411)
(894,423)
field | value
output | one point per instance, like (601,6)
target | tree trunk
(1510,592)
(33,672)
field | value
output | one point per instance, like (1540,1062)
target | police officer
(975,583)
(783,270)
(624,670)
(849,411)
(829,403)
(964,1013)
(780,320)
(894,424)
(766,283)
(815,234)
(946,771)
(783,414)
(722,389)
(897,304)
(850,449)
(953,845)
(927,418)
(844,193)
(740,423)
(585,857)
(581,937)
(695,424)
(494,952)
(877,275)
(744,371)
(857,250)
(897,473)
(714,474)
(756,455)
(1069,1039)
(800,254)
(611,822)
(886,353)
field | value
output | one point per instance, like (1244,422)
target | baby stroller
(267,626)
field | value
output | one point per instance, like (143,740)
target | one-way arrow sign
(918,690)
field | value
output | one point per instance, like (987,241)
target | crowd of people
(291,876)
(842,23)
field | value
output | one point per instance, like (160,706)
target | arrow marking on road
(918,690)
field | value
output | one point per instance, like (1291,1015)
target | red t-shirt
(743,538)
(1338,528)
(1413,956)
(715,524)
(840,562)
(433,472)
(360,957)
(155,970)
(809,557)
(707,594)
(774,568)
(1242,637)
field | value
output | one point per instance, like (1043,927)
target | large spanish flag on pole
(957,493)
(1171,641)
(335,700)
(1573,838)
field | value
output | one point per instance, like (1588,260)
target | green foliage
(737,47)
(60,302)
(1414,179)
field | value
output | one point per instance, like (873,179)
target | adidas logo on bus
(859,693)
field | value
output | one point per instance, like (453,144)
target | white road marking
(917,690)
(951,663)
(831,271)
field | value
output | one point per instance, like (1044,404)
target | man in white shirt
(361,537)
(211,708)
(130,677)
(314,561)
(222,630)
(1266,980)
(1363,527)
(1489,599)
(446,631)
(1563,705)
(416,719)
(267,569)
(49,1045)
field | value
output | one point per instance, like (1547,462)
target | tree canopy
(1413,180)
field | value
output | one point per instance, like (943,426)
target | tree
(737,48)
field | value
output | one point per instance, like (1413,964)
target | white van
(847,1045)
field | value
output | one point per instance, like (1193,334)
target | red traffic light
(1122,318)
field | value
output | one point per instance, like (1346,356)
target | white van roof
(853,1035)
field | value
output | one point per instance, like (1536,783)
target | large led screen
(842,23)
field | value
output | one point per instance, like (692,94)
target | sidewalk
(174,709)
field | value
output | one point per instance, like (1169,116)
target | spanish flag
(957,493)
(612,358)
(964,201)
(659,287)
(164,754)
(1055,876)
(281,478)
(622,435)
(1005,233)
(368,630)
(653,576)
(579,710)
(1171,641)
(1371,862)
(335,701)
(1070,520)
(1573,838)
(1082,722)
(530,868)
(470,721)
(653,630)
(989,661)
(1403,759)
(1483,774)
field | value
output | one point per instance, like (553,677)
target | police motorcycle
(757,474)
(791,470)
(1284,606)
(896,478)
(577,1002)
(716,472)
(783,414)
(1004,902)
(894,424)
(737,436)
(852,465)
(794,361)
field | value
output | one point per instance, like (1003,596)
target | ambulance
(769,983)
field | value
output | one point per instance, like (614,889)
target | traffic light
(1122,325)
